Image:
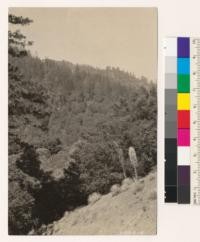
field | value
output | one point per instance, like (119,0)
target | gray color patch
(170,130)
(171,97)
(170,113)
(171,64)
(170,81)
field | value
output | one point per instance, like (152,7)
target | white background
(175,18)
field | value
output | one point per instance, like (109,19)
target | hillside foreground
(130,211)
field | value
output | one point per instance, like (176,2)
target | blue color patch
(183,65)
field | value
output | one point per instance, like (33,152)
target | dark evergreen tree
(27,99)
(29,162)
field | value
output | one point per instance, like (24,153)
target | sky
(118,37)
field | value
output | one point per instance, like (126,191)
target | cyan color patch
(183,65)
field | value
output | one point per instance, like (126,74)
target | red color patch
(183,119)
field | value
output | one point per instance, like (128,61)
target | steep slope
(131,211)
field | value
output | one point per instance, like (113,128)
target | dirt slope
(131,211)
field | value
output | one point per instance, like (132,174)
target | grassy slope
(132,211)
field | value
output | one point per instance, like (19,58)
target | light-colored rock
(94,197)
(127,181)
(115,189)
(43,152)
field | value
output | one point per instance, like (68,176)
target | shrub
(54,146)
(139,186)
(99,166)
(20,202)
(153,195)
(127,181)
(144,208)
(94,197)
(124,187)
(29,161)
(126,184)
(43,153)
(151,176)
(115,190)
(20,211)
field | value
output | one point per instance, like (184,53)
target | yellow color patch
(183,101)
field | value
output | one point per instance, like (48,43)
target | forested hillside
(83,99)
(67,124)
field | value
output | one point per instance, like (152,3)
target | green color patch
(183,83)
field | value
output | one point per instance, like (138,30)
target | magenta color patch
(183,137)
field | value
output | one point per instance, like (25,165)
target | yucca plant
(133,160)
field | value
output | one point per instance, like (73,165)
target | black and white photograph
(82,121)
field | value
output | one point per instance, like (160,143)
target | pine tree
(27,98)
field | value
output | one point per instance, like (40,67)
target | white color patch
(183,156)
(171,46)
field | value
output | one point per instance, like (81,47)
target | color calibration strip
(177,120)
(183,120)
(171,120)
